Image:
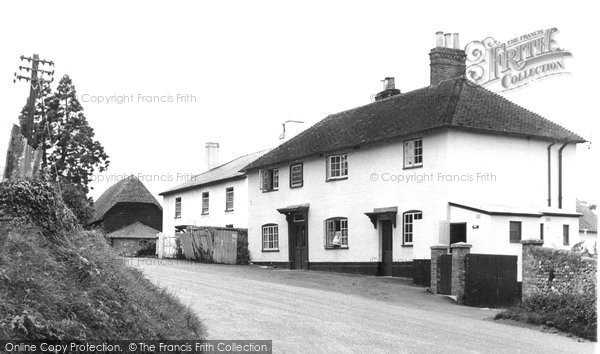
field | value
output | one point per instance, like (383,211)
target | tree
(70,154)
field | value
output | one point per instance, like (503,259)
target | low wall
(549,270)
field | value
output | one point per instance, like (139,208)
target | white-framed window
(205,203)
(336,233)
(337,167)
(229,199)
(270,237)
(178,208)
(269,180)
(413,153)
(408,219)
(296,176)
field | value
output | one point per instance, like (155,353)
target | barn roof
(135,230)
(455,103)
(128,190)
(225,172)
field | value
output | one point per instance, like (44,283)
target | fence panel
(210,245)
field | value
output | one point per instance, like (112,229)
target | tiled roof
(588,220)
(456,103)
(128,190)
(227,171)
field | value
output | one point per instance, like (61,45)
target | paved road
(320,312)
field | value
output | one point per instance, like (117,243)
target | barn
(129,214)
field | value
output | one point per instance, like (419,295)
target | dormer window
(269,180)
(413,153)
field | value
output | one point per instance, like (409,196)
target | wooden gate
(445,273)
(166,247)
(490,280)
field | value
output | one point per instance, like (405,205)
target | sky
(233,71)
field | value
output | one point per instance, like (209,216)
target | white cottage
(371,189)
(217,197)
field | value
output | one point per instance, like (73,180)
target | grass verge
(571,313)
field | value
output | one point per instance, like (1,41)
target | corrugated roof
(135,230)
(128,190)
(588,220)
(227,171)
(456,103)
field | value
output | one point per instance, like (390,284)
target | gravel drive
(321,312)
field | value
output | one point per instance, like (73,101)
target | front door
(299,245)
(387,255)
(458,232)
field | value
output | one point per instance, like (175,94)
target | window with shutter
(413,153)
(269,180)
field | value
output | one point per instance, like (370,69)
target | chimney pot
(388,83)
(447,40)
(455,41)
(439,39)
(212,155)
(389,89)
(447,61)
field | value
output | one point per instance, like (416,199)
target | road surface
(321,312)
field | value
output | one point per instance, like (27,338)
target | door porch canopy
(388,213)
(289,211)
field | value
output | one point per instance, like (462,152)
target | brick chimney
(389,89)
(212,155)
(447,59)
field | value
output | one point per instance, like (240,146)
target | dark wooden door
(299,242)
(458,232)
(491,280)
(387,255)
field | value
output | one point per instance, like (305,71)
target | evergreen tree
(70,154)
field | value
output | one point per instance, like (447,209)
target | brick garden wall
(548,270)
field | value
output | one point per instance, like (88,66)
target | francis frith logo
(517,62)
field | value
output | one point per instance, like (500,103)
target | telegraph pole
(36,80)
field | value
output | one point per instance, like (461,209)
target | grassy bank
(66,283)
(571,313)
(84,292)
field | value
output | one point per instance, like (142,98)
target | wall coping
(461,245)
(438,247)
(533,241)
